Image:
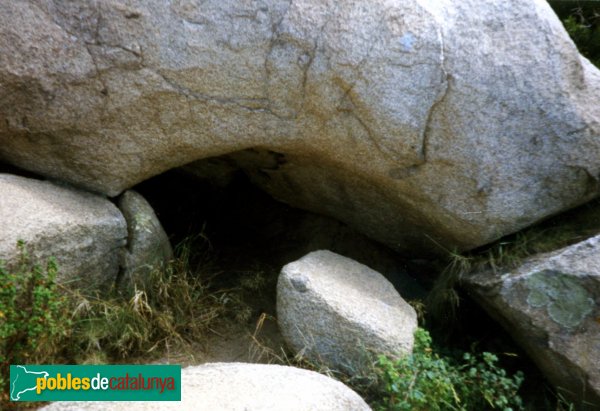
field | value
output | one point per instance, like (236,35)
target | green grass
(172,308)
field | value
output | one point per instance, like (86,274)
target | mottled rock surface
(240,387)
(455,121)
(83,231)
(551,307)
(148,245)
(336,311)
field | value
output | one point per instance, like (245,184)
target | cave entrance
(244,227)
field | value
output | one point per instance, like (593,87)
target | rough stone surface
(336,311)
(148,245)
(85,232)
(241,387)
(456,121)
(551,306)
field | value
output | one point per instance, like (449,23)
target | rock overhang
(419,123)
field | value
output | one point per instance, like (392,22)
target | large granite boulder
(335,311)
(418,121)
(239,387)
(83,231)
(550,304)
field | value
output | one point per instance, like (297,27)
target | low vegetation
(426,380)
(34,315)
(41,321)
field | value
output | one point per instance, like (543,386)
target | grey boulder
(335,311)
(85,232)
(550,304)
(148,247)
(417,122)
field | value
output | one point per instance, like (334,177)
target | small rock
(335,311)
(240,387)
(148,245)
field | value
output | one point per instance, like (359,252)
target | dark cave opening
(244,225)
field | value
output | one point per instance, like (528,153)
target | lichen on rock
(567,302)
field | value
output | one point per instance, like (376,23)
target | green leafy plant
(34,314)
(425,380)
